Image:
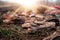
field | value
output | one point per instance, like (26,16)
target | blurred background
(11,4)
(47,2)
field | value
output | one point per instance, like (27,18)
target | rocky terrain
(43,25)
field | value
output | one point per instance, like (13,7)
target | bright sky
(24,2)
(21,1)
(27,3)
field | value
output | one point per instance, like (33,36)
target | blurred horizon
(47,2)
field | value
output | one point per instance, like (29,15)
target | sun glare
(25,3)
